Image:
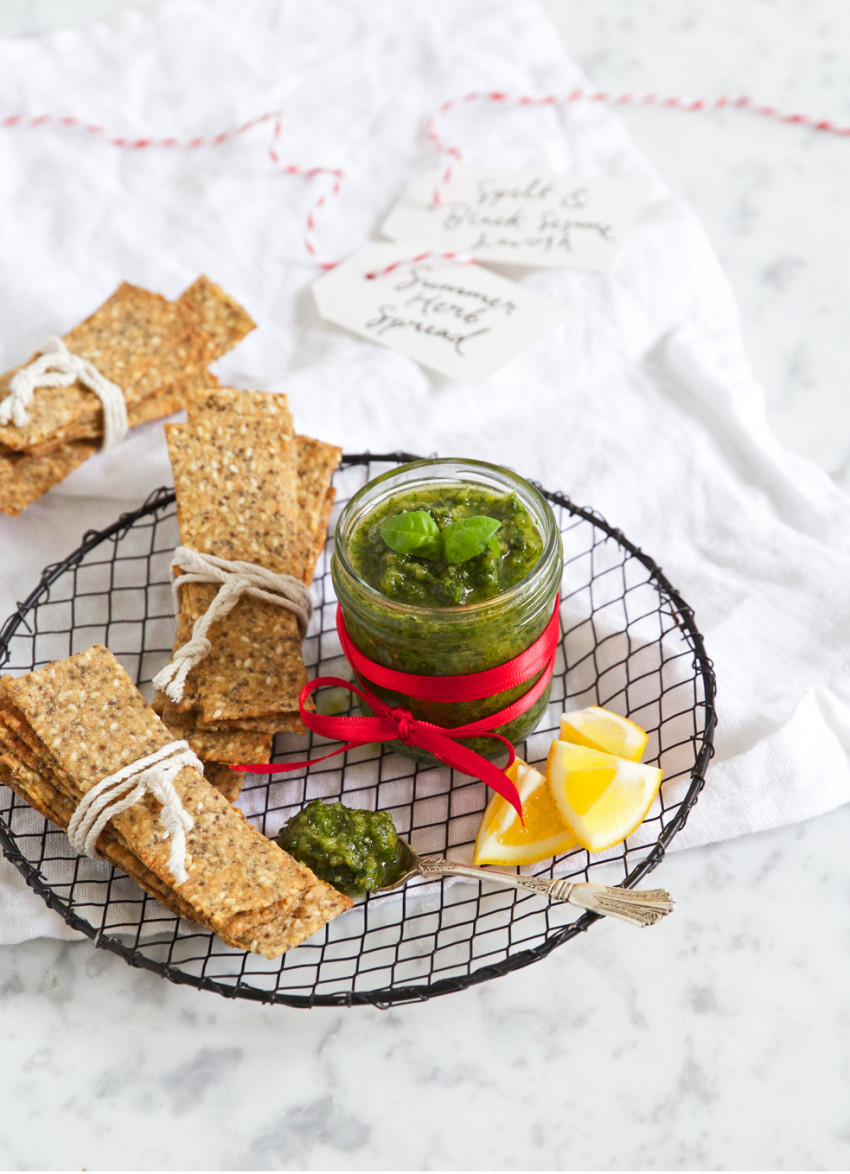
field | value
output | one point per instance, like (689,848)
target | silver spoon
(637,906)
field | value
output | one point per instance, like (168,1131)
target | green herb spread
(444,547)
(352,849)
(446,578)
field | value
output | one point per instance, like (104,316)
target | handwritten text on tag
(461,320)
(520,217)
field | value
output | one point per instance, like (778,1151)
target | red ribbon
(389,723)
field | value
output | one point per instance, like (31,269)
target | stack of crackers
(65,727)
(248,489)
(153,349)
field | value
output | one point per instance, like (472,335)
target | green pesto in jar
(439,615)
(352,849)
(513,552)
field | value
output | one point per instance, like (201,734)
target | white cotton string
(118,791)
(236,579)
(56,366)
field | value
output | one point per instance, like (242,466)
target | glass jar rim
(543,516)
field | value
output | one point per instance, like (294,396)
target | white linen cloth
(642,404)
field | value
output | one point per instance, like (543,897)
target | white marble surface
(718,1040)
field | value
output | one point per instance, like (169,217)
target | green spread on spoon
(352,849)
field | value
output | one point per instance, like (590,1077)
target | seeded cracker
(274,405)
(269,410)
(320,536)
(202,325)
(316,463)
(19,769)
(282,723)
(89,720)
(216,748)
(152,348)
(232,497)
(41,795)
(227,781)
(25,476)
(217,734)
(131,334)
(217,744)
(222,319)
(168,399)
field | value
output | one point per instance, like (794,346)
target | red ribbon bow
(389,723)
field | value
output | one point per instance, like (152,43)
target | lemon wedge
(501,837)
(600,797)
(602,729)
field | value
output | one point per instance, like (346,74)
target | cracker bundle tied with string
(67,727)
(151,351)
(249,491)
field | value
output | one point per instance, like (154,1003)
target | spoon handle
(637,906)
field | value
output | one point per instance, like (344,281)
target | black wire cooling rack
(629,642)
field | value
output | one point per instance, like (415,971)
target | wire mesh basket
(628,642)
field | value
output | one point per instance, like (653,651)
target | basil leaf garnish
(468,537)
(413,532)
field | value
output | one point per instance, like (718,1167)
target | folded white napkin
(641,405)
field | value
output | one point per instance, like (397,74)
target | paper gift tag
(459,319)
(519,217)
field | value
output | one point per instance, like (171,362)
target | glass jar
(453,640)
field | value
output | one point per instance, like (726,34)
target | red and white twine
(218,139)
(670,102)
(458,258)
(450,150)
